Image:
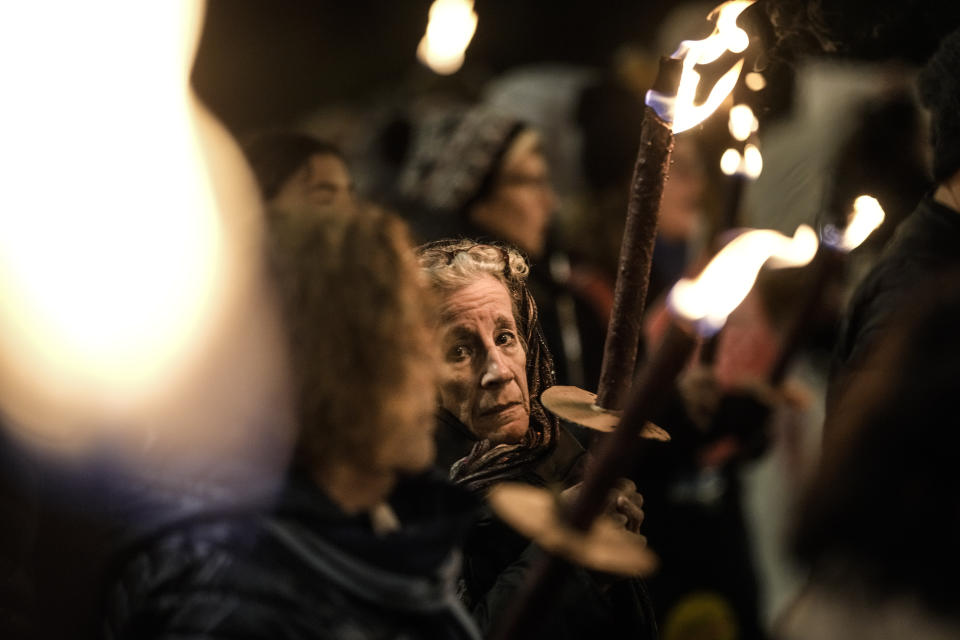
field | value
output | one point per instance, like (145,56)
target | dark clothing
(926,244)
(572,327)
(497,560)
(695,521)
(19,515)
(63,520)
(303,570)
(453,441)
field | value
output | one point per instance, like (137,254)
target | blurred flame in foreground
(449,31)
(129,224)
(726,36)
(707,300)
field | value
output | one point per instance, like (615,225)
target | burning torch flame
(866,216)
(727,36)
(449,31)
(707,300)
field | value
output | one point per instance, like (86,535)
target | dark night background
(266,63)
(263,63)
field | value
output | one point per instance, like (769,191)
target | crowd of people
(419,327)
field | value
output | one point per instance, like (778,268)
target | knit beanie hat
(939,86)
(453,157)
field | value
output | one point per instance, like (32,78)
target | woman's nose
(494,372)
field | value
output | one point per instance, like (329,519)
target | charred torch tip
(667,81)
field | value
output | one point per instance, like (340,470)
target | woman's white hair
(452,264)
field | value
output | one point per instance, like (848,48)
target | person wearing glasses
(478,173)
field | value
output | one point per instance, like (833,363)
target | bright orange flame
(449,31)
(727,36)
(707,300)
(867,215)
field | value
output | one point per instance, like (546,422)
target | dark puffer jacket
(305,570)
(925,245)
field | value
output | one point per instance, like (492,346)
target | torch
(741,167)
(698,309)
(670,109)
(747,414)
(866,216)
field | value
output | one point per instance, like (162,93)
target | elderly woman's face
(483,378)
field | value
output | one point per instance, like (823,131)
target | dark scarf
(488,464)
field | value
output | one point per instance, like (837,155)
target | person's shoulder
(925,243)
(931,232)
(214,574)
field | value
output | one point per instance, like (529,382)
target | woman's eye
(458,352)
(505,338)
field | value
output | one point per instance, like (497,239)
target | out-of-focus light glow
(755,81)
(449,31)
(113,257)
(707,300)
(742,122)
(730,161)
(752,162)
(727,36)
(867,215)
